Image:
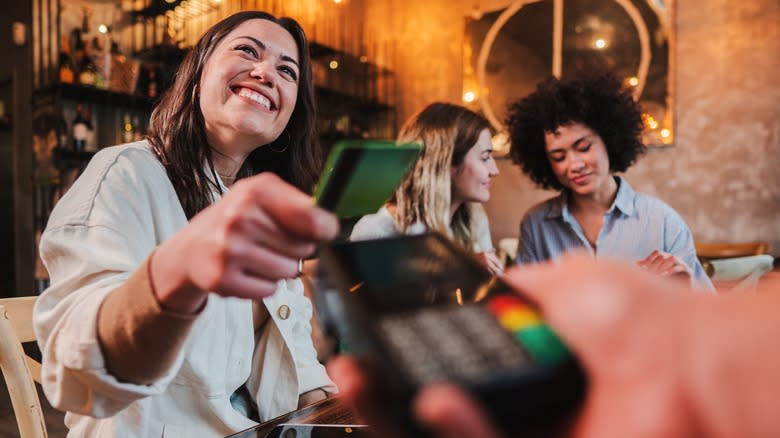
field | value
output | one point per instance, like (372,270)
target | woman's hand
(241,245)
(490,260)
(665,264)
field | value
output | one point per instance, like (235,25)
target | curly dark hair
(598,101)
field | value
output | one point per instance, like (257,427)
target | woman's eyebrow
(264,47)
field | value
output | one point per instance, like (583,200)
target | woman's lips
(580,180)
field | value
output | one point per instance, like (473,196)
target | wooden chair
(713,251)
(19,370)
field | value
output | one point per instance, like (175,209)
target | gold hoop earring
(279,151)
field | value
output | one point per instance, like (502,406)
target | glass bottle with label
(138,132)
(88,72)
(66,63)
(152,82)
(128,133)
(91,144)
(80,130)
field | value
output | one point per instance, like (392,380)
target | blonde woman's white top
(381,224)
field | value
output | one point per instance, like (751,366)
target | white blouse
(105,226)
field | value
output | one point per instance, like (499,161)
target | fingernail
(328,224)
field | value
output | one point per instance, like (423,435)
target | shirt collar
(624,202)
(214,182)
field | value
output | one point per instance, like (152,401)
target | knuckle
(263,181)
(308,219)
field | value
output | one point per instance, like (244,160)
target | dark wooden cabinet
(16,225)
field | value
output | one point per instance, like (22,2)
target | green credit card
(361,175)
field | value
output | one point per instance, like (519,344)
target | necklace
(227,180)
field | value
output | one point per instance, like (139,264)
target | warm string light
(469,78)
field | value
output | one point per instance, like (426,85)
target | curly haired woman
(574,136)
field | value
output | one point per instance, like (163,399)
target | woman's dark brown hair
(177,131)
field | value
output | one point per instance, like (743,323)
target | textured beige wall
(426,40)
(722,175)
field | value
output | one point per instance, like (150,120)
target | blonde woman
(444,189)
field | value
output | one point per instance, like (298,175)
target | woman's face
(579,159)
(471,179)
(249,87)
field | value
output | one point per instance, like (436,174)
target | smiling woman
(174,305)
(248,91)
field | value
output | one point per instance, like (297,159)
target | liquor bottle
(76,45)
(88,71)
(86,14)
(91,143)
(152,82)
(128,133)
(102,59)
(138,133)
(66,63)
(79,130)
(62,132)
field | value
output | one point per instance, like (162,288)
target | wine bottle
(153,82)
(91,143)
(138,133)
(79,130)
(88,72)
(127,129)
(66,63)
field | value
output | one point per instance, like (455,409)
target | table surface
(327,411)
(769,282)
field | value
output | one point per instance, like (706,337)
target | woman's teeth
(256,97)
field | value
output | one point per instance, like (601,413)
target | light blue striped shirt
(634,226)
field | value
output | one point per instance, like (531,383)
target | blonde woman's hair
(447,132)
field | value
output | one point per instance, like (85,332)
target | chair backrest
(714,250)
(743,272)
(18,368)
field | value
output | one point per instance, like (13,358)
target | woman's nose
(577,162)
(493,168)
(264,73)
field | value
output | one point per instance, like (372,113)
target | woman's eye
(558,158)
(585,148)
(247,49)
(289,72)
